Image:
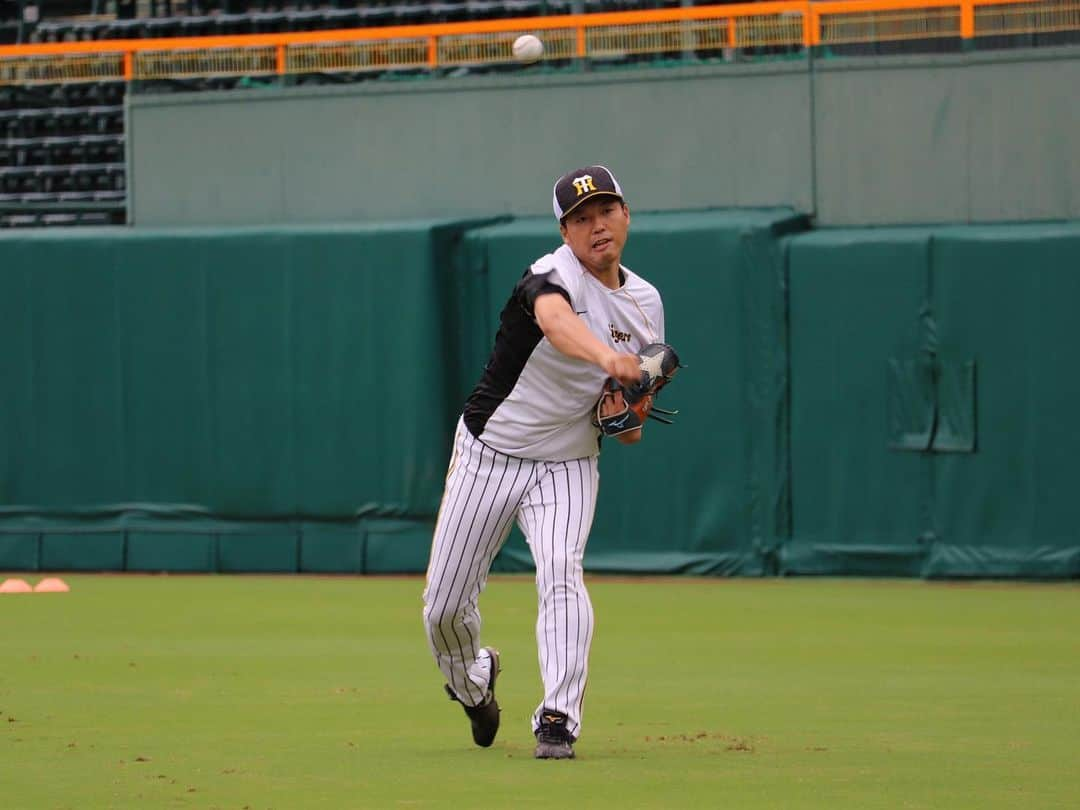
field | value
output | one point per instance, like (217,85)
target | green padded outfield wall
(245,399)
(281,399)
(716,483)
(933,402)
(1003,300)
(857,505)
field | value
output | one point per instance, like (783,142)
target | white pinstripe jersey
(535,402)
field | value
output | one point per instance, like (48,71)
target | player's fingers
(612,403)
(626,369)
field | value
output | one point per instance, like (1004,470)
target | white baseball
(528,48)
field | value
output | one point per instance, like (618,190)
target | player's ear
(562,230)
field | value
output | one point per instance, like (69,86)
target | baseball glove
(621,409)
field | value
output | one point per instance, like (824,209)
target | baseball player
(526,449)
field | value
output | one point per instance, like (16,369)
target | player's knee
(441,618)
(562,575)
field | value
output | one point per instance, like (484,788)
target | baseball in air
(528,48)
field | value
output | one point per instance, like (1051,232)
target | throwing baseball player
(578,355)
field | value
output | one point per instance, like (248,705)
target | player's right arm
(569,334)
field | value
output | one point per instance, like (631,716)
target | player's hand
(623,367)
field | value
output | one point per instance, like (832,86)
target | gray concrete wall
(855,141)
(979,138)
(677,138)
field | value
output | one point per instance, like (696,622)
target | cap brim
(586,198)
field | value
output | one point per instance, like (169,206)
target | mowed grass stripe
(295,692)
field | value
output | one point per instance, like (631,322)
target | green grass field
(293,692)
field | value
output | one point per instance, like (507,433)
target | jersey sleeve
(547,275)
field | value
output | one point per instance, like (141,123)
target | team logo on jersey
(584,184)
(617,336)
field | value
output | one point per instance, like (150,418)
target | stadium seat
(202,26)
(341,18)
(63,151)
(549,7)
(269,22)
(37,153)
(109,196)
(18,220)
(9,124)
(372,16)
(35,124)
(483,9)
(20,180)
(531,8)
(441,11)
(159,28)
(233,24)
(105,94)
(69,121)
(411,13)
(51,31)
(59,219)
(123,29)
(88,30)
(305,20)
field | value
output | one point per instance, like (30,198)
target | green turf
(235,692)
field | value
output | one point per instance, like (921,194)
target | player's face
(596,232)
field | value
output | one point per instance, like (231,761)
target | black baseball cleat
(485,717)
(553,741)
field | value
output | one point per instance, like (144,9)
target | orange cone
(13,585)
(51,585)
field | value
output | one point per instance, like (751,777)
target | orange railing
(702,30)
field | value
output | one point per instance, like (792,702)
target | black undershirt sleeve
(533,285)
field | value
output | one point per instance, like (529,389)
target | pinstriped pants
(553,503)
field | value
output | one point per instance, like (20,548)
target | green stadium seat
(551,7)
(59,220)
(305,20)
(483,9)
(374,16)
(269,22)
(18,220)
(447,12)
(233,24)
(341,18)
(531,8)
(159,28)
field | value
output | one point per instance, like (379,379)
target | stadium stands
(63,143)
(62,154)
(225,18)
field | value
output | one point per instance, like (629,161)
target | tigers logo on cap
(579,185)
